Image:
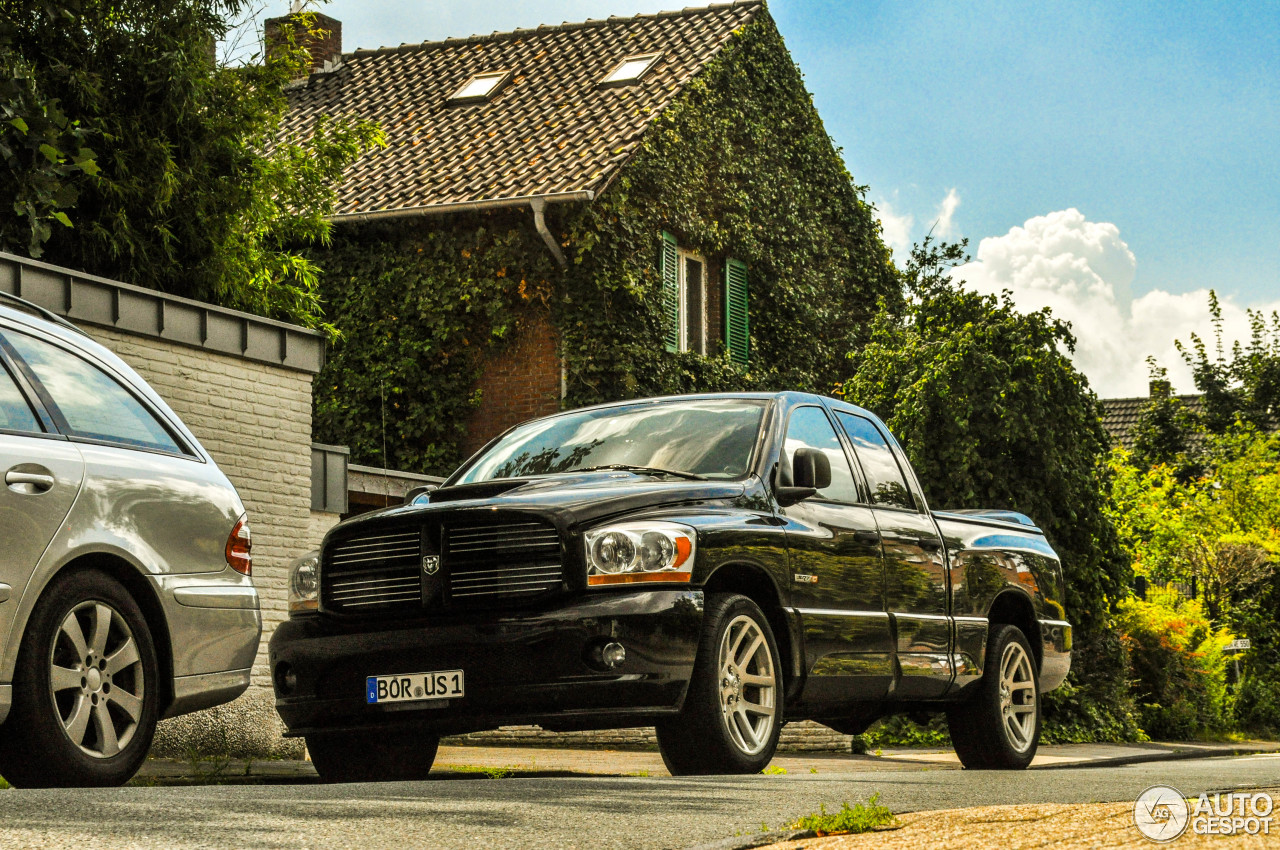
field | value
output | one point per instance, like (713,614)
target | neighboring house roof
(1119,415)
(553,130)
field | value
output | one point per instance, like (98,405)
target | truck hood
(567,499)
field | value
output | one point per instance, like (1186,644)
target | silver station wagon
(125,589)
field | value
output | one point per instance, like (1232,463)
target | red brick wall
(328,44)
(520,383)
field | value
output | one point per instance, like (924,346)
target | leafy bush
(1179,667)
(993,414)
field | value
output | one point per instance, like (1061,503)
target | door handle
(869,537)
(929,544)
(38,482)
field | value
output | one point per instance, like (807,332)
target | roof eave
(463,206)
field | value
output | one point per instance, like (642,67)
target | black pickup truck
(712,565)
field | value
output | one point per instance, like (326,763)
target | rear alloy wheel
(85,691)
(372,756)
(999,728)
(732,713)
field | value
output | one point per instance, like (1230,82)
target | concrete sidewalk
(501,762)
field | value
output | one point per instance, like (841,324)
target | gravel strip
(1062,827)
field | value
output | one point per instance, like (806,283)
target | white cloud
(1082,270)
(944,225)
(897,228)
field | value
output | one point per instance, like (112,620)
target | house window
(684,297)
(480,87)
(693,303)
(630,70)
(685,294)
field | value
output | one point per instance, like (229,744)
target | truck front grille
(376,572)
(509,561)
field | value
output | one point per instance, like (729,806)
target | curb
(762,839)
(1173,755)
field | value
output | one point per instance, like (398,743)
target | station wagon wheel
(998,727)
(96,680)
(732,712)
(85,696)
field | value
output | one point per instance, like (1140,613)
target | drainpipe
(539,207)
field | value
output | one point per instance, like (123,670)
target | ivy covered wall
(739,166)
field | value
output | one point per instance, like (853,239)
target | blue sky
(1161,120)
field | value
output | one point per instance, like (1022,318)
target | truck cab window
(810,428)
(888,486)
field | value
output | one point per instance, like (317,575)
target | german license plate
(413,687)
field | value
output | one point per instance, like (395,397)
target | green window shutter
(737,327)
(669,267)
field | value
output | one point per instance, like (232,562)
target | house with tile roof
(580,213)
(1121,415)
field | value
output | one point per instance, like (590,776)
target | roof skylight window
(630,70)
(481,87)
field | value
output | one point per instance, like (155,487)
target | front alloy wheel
(733,709)
(748,685)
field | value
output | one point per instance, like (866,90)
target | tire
(86,690)
(999,728)
(732,712)
(372,756)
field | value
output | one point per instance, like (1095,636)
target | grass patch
(491,772)
(860,817)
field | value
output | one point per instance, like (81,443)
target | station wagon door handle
(866,537)
(35,482)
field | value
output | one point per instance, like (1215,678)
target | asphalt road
(562,813)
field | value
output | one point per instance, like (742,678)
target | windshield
(709,438)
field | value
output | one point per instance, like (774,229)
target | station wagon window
(92,404)
(810,428)
(15,413)
(888,486)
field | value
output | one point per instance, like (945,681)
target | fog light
(286,679)
(613,654)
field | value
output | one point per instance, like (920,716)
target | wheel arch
(759,586)
(138,587)
(1014,608)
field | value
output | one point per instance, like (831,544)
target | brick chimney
(1160,389)
(325,46)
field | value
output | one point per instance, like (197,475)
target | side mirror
(811,468)
(808,471)
(418,491)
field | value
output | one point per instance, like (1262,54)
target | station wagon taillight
(238,546)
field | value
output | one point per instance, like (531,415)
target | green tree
(40,149)
(195,195)
(1244,386)
(992,414)
(1168,432)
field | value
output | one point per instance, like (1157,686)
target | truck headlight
(304,583)
(639,551)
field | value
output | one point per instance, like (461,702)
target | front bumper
(520,667)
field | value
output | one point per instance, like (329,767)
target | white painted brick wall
(255,419)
